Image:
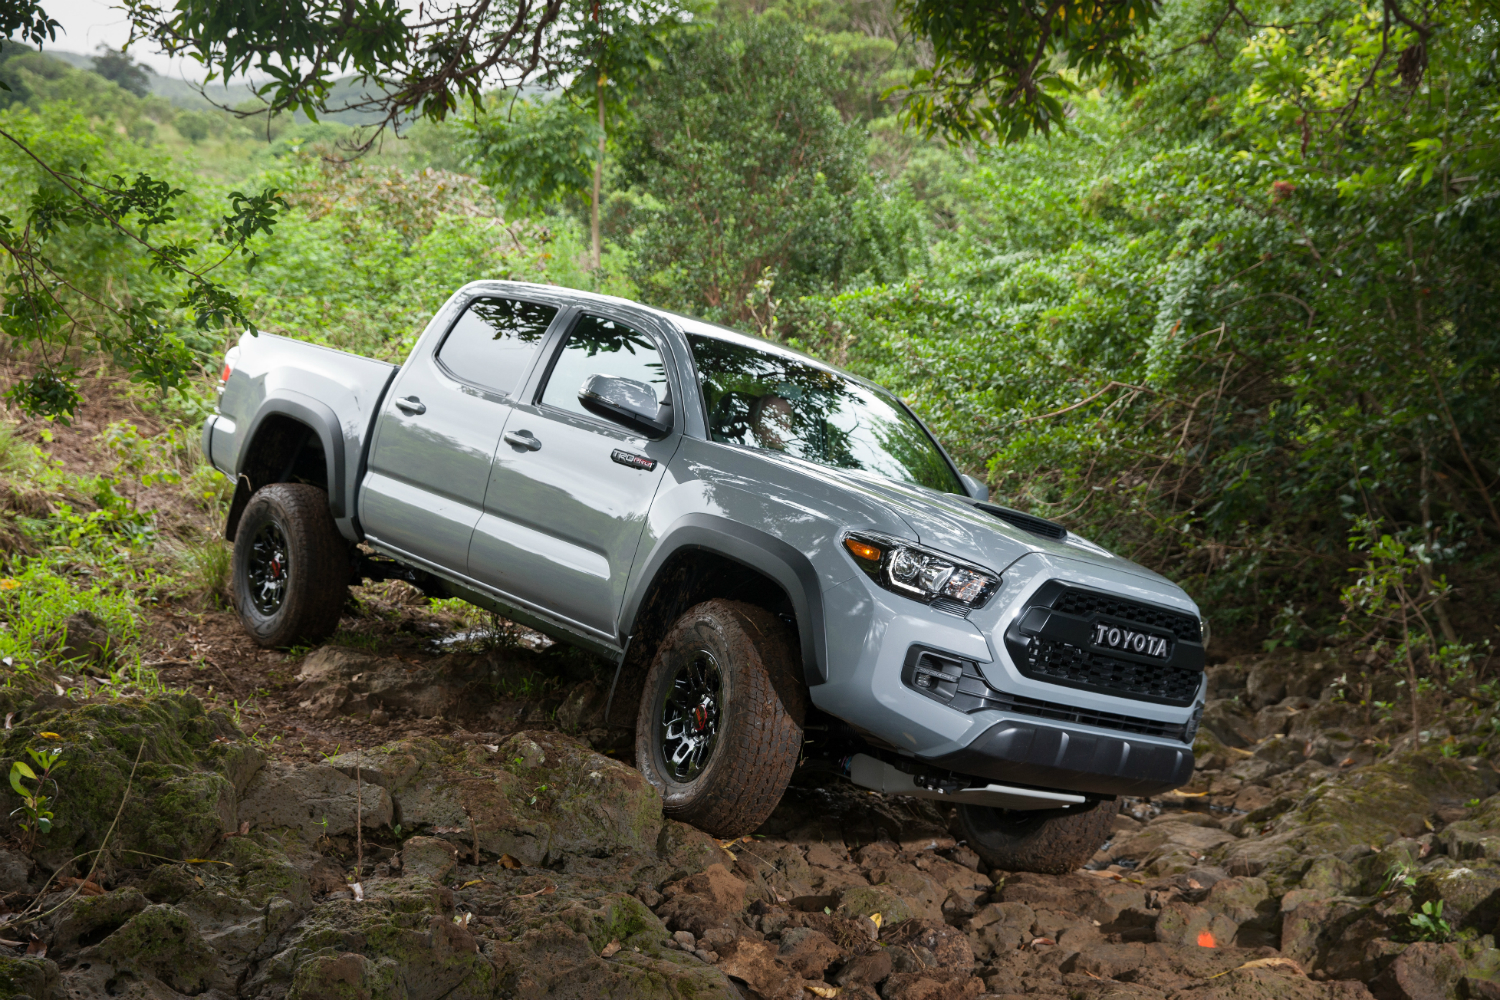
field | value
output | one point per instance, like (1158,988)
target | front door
(569,491)
(442,418)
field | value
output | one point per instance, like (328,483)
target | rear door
(442,418)
(569,491)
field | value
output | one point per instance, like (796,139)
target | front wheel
(291,566)
(1046,841)
(719,729)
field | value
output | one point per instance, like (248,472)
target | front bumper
(1022,730)
(1028,754)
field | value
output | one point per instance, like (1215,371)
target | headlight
(1203,623)
(919,573)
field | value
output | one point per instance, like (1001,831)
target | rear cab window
(493,342)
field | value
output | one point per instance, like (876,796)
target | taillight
(228,371)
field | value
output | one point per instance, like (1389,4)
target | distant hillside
(185,94)
(180,92)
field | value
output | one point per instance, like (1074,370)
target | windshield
(780,404)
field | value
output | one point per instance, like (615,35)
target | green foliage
(37,601)
(534,153)
(25,19)
(36,818)
(1211,325)
(192,126)
(58,300)
(1428,924)
(1001,71)
(369,253)
(1205,335)
(744,165)
(1398,877)
(403,67)
(1389,605)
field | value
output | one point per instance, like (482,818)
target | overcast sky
(86,23)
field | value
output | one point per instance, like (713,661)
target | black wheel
(719,729)
(1047,841)
(291,566)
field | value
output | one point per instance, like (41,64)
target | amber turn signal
(863,550)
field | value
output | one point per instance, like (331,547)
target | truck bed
(334,392)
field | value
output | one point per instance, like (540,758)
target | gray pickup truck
(777,556)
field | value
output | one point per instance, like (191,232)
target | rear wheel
(1047,841)
(719,729)
(291,566)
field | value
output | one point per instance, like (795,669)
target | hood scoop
(1026,522)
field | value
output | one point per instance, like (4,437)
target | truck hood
(952,524)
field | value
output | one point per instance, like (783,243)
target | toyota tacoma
(779,562)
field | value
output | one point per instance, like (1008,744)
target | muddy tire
(291,566)
(719,729)
(1047,841)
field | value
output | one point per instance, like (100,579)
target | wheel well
(284,450)
(688,578)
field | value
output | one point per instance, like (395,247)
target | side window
(599,346)
(494,340)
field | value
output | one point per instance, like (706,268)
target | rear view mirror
(628,402)
(977,490)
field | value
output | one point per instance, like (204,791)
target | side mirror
(975,488)
(628,402)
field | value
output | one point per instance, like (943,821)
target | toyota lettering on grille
(1129,641)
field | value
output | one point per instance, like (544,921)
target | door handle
(522,439)
(411,405)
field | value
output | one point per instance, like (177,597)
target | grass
(203,567)
(78,542)
(37,602)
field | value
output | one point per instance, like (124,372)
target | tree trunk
(598,178)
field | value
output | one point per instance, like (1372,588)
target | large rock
(1269,979)
(403,927)
(1427,970)
(188,768)
(1228,721)
(1470,897)
(468,687)
(349,974)
(313,800)
(1477,836)
(160,944)
(95,917)
(558,949)
(711,898)
(1266,683)
(1367,806)
(32,977)
(539,796)
(14,869)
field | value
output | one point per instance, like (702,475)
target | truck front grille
(959,684)
(1076,601)
(1050,660)
(1055,639)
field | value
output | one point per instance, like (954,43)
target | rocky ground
(429,807)
(468,848)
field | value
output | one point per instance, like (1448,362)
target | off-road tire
(1046,841)
(316,566)
(760,708)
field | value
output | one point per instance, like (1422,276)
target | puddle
(488,638)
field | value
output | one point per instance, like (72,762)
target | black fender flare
(754,549)
(322,421)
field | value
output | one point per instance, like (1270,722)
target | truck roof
(688,324)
